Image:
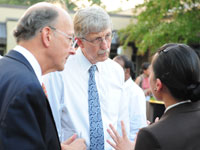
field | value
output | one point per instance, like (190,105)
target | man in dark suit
(44,36)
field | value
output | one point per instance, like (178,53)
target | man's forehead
(102,33)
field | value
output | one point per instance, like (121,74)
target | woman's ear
(159,85)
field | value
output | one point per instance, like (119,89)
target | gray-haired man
(89,91)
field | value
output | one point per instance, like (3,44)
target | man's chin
(60,68)
(104,58)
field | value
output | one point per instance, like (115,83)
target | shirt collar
(174,105)
(85,62)
(129,79)
(128,82)
(32,60)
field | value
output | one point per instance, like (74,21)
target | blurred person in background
(134,95)
(143,80)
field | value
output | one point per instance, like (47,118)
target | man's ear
(79,42)
(46,36)
(159,85)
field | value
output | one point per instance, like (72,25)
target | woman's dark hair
(127,64)
(145,65)
(178,67)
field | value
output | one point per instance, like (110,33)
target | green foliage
(20,2)
(163,21)
(69,4)
(98,2)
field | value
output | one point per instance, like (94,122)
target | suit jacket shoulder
(26,121)
(178,129)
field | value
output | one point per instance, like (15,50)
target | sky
(112,5)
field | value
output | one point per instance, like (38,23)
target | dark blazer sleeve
(24,124)
(146,141)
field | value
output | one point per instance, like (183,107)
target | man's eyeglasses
(99,40)
(71,38)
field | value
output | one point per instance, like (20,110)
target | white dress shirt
(32,60)
(137,107)
(68,95)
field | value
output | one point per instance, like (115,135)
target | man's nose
(104,44)
(72,51)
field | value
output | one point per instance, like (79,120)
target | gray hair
(91,19)
(33,21)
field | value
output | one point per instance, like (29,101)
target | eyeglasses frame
(71,38)
(100,41)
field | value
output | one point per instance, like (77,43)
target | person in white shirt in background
(135,95)
(68,90)
(1,56)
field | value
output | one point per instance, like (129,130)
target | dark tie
(96,125)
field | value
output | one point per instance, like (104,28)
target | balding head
(35,18)
(46,31)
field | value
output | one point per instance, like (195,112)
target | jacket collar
(20,58)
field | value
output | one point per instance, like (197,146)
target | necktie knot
(92,69)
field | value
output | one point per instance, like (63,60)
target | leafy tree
(163,21)
(19,2)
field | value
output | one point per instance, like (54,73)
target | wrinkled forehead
(99,34)
(99,25)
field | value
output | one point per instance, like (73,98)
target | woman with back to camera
(174,79)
